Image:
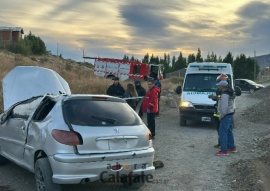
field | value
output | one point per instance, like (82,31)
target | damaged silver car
(70,139)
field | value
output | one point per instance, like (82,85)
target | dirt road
(187,153)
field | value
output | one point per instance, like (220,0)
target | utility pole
(57,49)
(83,56)
(255,60)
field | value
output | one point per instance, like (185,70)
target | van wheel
(3,160)
(43,176)
(183,122)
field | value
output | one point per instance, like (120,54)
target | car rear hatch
(106,124)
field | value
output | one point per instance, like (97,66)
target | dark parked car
(248,85)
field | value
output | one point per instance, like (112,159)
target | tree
(228,58)
(36,45)
(173,63)
(211,57)
(254,68)
(126,57)
(239,69)
(219,59)
(146,59)
(191,58)
(181,62)
(19,47)
(244,67)
(199,56)
(166,62)
(31,44)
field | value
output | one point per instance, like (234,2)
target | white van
(199,83)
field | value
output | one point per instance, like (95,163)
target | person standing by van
(150,106)
(226,116)
(216,98)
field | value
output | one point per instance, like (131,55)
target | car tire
(3,160)
(134,184)
(43,176)
(183,122)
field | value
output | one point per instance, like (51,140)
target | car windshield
(251,82)
(201,82)
(89,112)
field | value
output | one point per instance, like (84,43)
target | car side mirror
(237,91)
(178,90)
(3,118)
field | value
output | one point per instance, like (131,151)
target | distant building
(10,34)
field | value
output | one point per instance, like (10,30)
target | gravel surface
(188,154)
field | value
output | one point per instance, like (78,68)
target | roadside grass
(80,77)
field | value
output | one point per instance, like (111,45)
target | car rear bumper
(97,167)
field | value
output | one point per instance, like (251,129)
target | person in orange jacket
(150,105)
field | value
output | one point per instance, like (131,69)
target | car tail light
(116,167)
(148,135)
(67,137)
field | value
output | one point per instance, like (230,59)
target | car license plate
(208,119)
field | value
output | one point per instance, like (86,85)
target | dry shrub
(167,85)
(176,80)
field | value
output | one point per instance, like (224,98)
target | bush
(29,45)
(19,47)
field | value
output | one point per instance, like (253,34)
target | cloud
(256,16)
(252,29)
(255,10)
(130,27)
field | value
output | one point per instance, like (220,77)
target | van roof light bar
(208,67)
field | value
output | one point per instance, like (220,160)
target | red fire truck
(125,69)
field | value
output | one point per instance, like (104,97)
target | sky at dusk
(114,28)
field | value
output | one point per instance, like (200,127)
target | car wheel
(134,183)
(251,90)
(237,91)
(183,122)
(43,176)
(3,160)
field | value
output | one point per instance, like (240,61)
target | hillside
(263,61)
(80,76)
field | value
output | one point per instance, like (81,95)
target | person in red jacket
(150,105)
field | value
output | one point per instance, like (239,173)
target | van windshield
(202,82)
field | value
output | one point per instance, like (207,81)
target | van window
(137,69)
(201,82)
